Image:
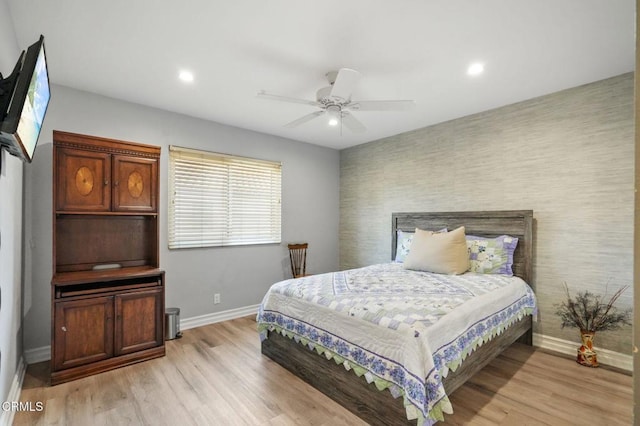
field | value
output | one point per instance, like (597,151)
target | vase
(586,355)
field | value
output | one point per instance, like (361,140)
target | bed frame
(363,399)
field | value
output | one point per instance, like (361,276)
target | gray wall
(310,195)
(10,231)
(567,156)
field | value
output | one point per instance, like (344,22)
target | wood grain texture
(100,144)
(99,326)
(342,386)
(84,241)
(215,375)
(517,223)
(106,311)
(568,156)
(520,331)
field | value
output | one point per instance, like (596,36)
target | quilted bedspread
(402,329)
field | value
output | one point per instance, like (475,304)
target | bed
(303,333)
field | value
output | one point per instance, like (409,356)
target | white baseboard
(44,353)
(6,417)
(207,319)
(40,354)
(605,356)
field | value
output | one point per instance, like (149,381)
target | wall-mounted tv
(24,97)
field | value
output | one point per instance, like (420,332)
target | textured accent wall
(568,156)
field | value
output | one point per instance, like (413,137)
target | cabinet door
(83,180)
(83,331)
(139,321)
(135,181)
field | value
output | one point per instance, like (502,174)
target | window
(222,200)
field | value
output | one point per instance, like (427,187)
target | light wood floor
(215,375)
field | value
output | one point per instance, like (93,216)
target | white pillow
(442,253)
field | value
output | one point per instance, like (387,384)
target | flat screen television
(24,99)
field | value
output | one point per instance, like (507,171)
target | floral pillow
(403,244)
(491,255)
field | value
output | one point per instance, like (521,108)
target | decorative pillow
(403,244)
(491,255)
(442,253)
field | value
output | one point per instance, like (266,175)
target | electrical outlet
(216,298)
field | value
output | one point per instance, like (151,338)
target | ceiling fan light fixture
(334,102)
(334,115)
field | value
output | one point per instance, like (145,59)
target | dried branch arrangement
(589,312)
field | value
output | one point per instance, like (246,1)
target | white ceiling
(405,49)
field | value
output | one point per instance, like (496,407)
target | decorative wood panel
(84,180)
(517,223)
(134,183)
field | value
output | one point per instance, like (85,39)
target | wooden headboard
(517,223)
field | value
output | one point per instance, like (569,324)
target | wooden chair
(298,257)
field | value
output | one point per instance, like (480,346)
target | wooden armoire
(107,304)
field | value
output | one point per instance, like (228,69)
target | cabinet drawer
(78,291)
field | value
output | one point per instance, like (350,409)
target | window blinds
(222,200)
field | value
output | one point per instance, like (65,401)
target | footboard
(364,399)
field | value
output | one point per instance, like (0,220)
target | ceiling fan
(335,102)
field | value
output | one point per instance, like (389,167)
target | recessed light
(475,68)
(186,76)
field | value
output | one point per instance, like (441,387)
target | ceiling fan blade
(382,105)
(345,83)
(264,95)
(352,123)
(304,119)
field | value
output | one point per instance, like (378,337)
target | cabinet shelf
(102,275)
